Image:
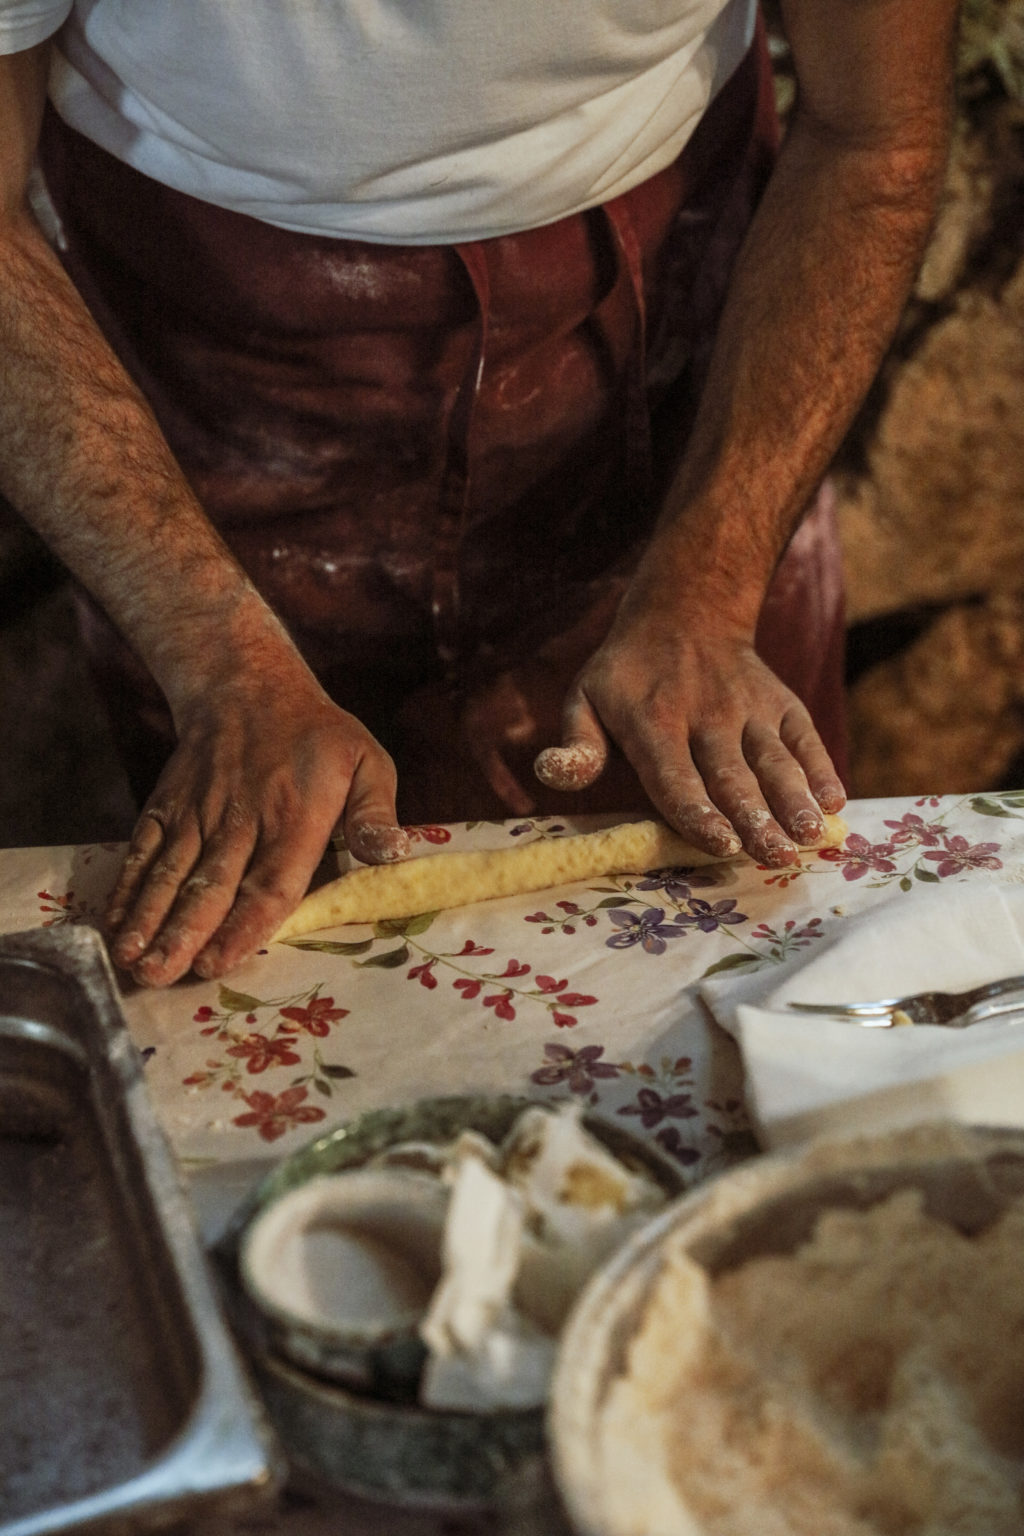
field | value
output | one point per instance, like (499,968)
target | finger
(677,790)
(801,738)
(155,893)
(580,760)
(282,864)
(203,902)
(370,821)
(270,889)
(734,788)
(675,786)
(783,783)
(147,840)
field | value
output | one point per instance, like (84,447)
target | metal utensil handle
(995,989)
(991,1009)
(875,1010)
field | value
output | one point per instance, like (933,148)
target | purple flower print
(708,917)
(653,1107)
(578,1069)
(669,1138)
(668,880)
(648,929)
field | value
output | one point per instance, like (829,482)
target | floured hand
(726,752)
(264,771)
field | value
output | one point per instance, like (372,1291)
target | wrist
(700,583)
(233,646)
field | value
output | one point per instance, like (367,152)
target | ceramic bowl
(340,1403)
(342,1268)
(769,1206)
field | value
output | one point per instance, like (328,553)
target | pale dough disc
(378,891)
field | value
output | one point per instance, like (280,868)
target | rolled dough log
(378,891)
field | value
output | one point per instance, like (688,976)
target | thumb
(581,758)
(370,820)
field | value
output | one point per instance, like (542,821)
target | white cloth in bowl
(812,1074)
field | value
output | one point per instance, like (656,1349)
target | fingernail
(379,843)
(131,944)
(114,918)
(831,797)
(724,840)
(779,851)
(146,972)
(568,768)
(206,964)
(807,827)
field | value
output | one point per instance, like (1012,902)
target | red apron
(435,461)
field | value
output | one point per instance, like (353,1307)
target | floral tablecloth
(585,993)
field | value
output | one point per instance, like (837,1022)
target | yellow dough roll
(378,891)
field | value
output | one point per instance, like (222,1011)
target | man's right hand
(266,765)
(264,771)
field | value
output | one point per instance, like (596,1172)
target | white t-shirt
(409,121)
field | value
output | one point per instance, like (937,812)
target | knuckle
(382,763)
(235,817)
(178,940)
(731,781)
(135,859)
(166,872)
(660,715)
(771,758)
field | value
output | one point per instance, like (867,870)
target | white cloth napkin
(810,1074)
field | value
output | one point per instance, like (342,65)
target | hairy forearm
(84,461)
(818,290)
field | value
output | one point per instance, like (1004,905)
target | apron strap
(456,475)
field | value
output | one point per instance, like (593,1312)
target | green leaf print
(237,1002)
(390,960)
(332,946)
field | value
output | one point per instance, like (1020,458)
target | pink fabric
(436,461)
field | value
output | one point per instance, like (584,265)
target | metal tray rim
(224,1450)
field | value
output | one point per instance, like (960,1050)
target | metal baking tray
(123,1405)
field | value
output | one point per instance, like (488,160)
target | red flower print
(469,987)
(317,1017)
(502,1005)
(60,908)
(424,973)
(274,1114)
(859,856)
(429,834)
(472,948)
(913,829)
(515,968)
(958,855)
(549,984)
(259,1053)
(199,1079)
